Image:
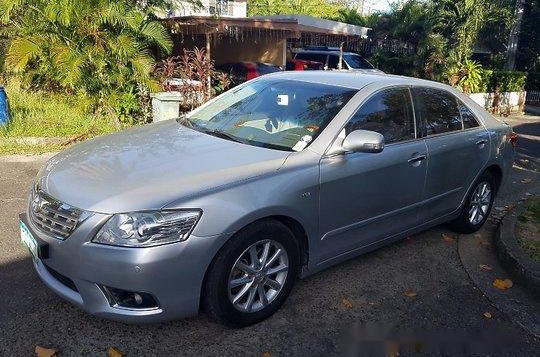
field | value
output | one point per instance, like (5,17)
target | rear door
(368,197)
(458,149)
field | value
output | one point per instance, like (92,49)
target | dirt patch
(528,229)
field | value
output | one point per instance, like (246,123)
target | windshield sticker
(282,99)
(302,143)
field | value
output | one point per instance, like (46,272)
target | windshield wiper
(224,135)
(185,121)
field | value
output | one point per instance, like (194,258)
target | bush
(505,81)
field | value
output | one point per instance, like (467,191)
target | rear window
(437,109)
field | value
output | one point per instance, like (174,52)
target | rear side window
(437,109)
(389,113)
(469,120)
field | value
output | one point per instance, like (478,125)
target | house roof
(292,25)
(314,24)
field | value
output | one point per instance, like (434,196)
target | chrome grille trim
(53,217)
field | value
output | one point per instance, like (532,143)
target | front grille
(52,216)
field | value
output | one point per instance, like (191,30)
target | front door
(368,197)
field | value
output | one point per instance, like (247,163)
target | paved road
(326,314)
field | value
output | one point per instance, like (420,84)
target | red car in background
(244,71)
(304,65)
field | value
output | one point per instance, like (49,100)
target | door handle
(416,159)
(481,142)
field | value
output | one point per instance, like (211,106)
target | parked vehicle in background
(244,71)
(281,177)
(330,56)
(304,65)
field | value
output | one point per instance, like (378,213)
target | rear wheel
(252,274)
(477,206)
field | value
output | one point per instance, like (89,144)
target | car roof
(326,52)
(357,79)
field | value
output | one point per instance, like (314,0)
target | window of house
(437,109)
(389,113)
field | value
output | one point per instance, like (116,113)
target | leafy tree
(103,48)
(317,8)
(528,55)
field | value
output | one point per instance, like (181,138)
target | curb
(512,257)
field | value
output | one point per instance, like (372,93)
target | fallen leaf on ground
(487,315)
(447,237)
(266,354)
(500,209)
(410,293)
(114,352)
(528,194)
(503,284)
(347,303)
(486,267)
(527,180)
(46,352)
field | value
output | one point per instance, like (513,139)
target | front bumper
(75,268)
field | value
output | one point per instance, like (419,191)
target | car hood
(148,167)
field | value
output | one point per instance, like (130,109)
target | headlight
(147,229)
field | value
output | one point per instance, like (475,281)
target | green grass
(529,229)
(48,115)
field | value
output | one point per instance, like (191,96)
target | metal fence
(533,96)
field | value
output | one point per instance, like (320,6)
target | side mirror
(363,141)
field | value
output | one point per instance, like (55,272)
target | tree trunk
(514,36)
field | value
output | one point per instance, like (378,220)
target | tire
(465,224)
(218,298)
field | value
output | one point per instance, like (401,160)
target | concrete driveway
(417,287)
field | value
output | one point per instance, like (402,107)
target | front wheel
(477,206)
(252,274)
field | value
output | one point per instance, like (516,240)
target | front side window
(469,120)
(274,113)
(437,109)
(389,113)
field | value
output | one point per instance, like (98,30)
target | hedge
(506,81)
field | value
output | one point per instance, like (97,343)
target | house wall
(252,49)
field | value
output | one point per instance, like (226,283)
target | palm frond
(22,50)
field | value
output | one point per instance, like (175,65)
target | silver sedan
(277,179)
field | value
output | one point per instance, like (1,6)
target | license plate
(28,240)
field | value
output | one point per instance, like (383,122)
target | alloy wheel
(480,202)
(258,275)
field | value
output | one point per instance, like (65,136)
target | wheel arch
(299,233)
(497,173)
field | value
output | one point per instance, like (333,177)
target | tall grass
(45,114)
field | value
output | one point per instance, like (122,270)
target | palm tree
(100,47)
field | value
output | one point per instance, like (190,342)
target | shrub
(508,81)
(505,81)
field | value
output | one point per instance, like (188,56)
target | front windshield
(357,62)
(273,113)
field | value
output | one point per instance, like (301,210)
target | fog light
(129,299)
